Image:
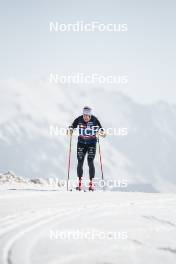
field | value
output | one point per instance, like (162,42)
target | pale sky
(146,53)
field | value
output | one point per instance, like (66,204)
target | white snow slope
(145,224)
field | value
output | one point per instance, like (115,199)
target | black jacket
(87,130)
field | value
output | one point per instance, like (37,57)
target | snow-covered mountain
(145,157)
(10,181)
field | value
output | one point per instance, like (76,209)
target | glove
(70,131)
(101,133)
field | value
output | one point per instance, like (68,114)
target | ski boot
(79,187)
(91,187)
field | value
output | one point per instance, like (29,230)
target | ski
(76,190)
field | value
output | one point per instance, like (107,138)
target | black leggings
(82,149)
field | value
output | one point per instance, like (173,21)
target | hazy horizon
(146,52)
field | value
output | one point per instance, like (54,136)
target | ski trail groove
(8,247)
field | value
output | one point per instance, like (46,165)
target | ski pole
(69,160)
(101,165)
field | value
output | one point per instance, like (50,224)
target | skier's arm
(72,127)
(74,124)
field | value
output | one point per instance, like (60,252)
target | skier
(89,127)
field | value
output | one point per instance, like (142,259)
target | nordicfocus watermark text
(55,130)
(81,26)
(82,78)
(98,183)
(87,234)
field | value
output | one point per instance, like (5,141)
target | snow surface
(27,218)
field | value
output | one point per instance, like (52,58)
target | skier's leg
(81,151)
(91,169)
(80,168)
(90,159)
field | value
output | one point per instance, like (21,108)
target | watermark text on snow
(98,183)
(87,234)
